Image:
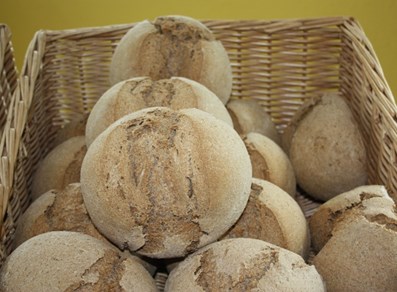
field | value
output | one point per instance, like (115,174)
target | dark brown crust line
(149,160)
(300,114)
(260,169)
(209,278)
(72,172)
(109,270)
(259,213)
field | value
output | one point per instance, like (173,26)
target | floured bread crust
(326,148)
(249,117)
(72,261)
(244,264)
(272,215)
(269,162)
(60,167)
(164,183)
(173,46)
(142,92)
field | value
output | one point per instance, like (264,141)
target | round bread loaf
(326,148)
(56,211)
(60,211)
(71,261)
(361,255)
(164,183)
(173,46)
(248,116)
(269,162)
(142,92)
(361,200)
(76,127)
(244,264)
(60,167)
(272,215)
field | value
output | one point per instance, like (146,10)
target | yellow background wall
(378,17)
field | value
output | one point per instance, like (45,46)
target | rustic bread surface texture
(272,215)
(60,167)
(138,93)
(71,261)
(173,46)
(248,116)
(269,162)
(164,182)
(244,264)
(326,148)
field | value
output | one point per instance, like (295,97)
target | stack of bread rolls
(166,169)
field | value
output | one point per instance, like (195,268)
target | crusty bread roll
(60,167)
(137,93)
(164,183)
(326,148)
(173,46)
(248,116)
(76,127)
(71,261)
(60,211)
(269,162)
(272,215)
(359,201)
(56,211)
(244,264)
(361,255)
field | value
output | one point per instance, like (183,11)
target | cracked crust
(142,92)
(327,150)
(272,215)
(60,167)
(71,261)
(269,162)
(361,255)
(56,211)
(173,46)
(371,201)
(243,264)
(164,183)
(249,117)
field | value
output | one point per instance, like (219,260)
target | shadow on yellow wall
(378,18)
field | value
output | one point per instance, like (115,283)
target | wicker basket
(8,84)
(8,73)
(279,63)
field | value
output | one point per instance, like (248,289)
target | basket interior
(278,63)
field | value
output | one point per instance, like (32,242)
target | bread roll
(173,46)
(248,116)
(71,261)
(361,255)
(244,264)
(361,200)
(326,148)
(56,211)
(272,215)
(269,162)
(164,183)
(60,167)
(137,93)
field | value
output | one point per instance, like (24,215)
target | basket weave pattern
(279,63)
(8,84)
